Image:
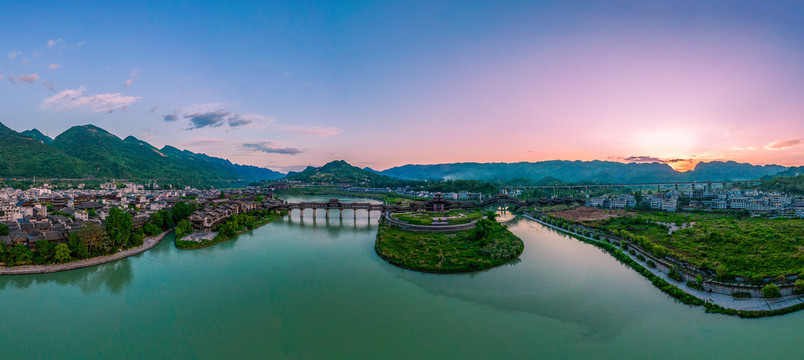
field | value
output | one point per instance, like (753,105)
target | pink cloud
(54,66)
(783,144)
(75,98)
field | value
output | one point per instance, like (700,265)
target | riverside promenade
(147,244)
(726,301)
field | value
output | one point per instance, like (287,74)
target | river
(316,289)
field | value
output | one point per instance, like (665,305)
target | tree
(62,253)
(21,254)
(77,247)
(157,219)
(118,226)
(722,271)
(183,228)
(800,286)
(771,291)
(45,250)
(92,236)
(152,229)
(3,230)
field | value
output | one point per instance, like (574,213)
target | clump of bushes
(799,287)
(771,291)
(675,275)
(651,264)
(641,258)
(695,285)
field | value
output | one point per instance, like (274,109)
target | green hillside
(36,134)
(88,150)
(23,156)
(340,172)
(788,185)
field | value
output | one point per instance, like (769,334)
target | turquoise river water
(316,289)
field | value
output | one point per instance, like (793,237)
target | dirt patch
(586,213)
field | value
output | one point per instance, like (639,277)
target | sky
(288,84)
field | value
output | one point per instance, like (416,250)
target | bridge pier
(314,211)
(327,213)
(301,213)
(341,213)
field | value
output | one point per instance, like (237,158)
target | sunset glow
(382,84)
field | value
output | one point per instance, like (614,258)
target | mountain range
(89,151)
(584,171)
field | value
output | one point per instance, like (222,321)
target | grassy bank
(753,249)
(675,291)
(490,244)
(236,225)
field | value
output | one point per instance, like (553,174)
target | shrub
(651,264)
(771,291)
(799,286)
(695,285)
(641,258)
(631,251)
(675,275)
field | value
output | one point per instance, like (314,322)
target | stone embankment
(147,244)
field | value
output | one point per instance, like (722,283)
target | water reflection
(114,277)
(526,286)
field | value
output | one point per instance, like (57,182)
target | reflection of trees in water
(115,276)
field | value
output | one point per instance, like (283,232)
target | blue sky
(381,83)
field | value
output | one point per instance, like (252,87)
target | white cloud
(54,66)
(75,98)
(312,130)
(52,43)
(13,54)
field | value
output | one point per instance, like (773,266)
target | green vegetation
(788,185)
(799,287)
(236,224)
(752,248)
(771,291)
(3,230)
(489,244)
(183,228)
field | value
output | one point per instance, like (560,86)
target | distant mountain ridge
(88,150)
(596,171)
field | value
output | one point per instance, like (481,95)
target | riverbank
(713,302)
(147,244)
(220,237)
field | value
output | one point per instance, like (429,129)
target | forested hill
(583,171)
(787,185)
(340,172)
(88,150)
